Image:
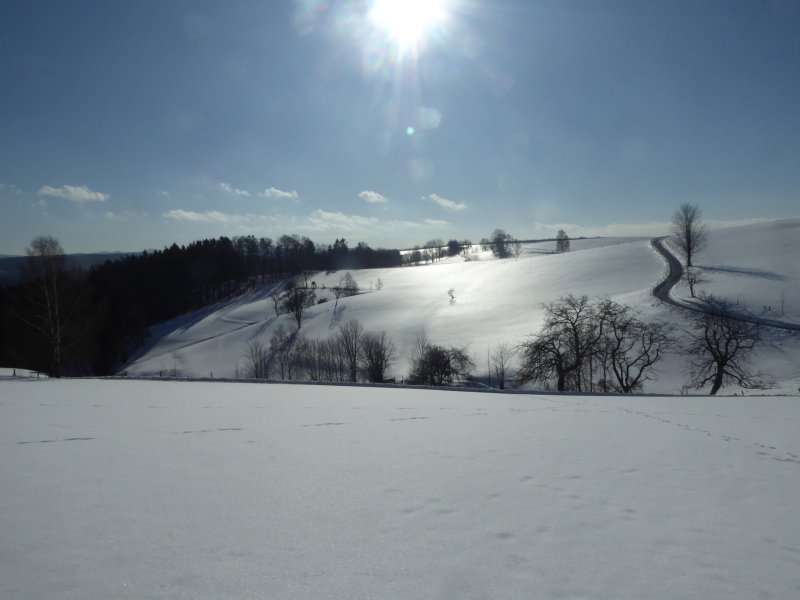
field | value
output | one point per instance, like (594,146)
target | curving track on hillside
(663,289)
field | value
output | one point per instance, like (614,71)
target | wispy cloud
(550,230)
(226,187)
(651,229)
(373,197)
(164,193)
(436,222)
(209,216)
(79,194)
(10,188)
(127,215)
(276,194)
(444,202)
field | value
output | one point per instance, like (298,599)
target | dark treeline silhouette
(112,304)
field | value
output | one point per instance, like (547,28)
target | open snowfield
(500,301)
(137,489)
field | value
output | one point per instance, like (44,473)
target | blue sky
(130,125)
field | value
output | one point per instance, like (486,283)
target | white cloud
(209,216)
(229,189)
(436,222)
(322,220)
(277,194)
(78,194)
(373,197)
(444,202)
(164,193)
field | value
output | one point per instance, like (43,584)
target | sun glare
(408,22)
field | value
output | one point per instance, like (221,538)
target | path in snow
(664,289)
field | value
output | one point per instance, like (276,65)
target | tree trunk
(717,384)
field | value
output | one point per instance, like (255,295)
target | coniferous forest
(89,321)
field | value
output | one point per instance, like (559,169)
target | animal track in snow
(213,430)
(72,439)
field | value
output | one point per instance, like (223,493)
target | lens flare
(407,22)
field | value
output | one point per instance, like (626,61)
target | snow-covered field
(500,301)
(140,489)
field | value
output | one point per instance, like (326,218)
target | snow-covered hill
(141,489)
(500,301)
(755,265)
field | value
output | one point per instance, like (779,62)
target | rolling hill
(500,301)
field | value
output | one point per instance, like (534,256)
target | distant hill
(10,265)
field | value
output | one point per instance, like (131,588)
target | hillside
(499,301)
(755,265)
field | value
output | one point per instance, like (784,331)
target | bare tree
(437,365)
(256,360)
(293,353)
(629,346)
(569,336)
(281,352)
(49,302)
(276,297)
(693,277)
(306,357)
(377,355)
(348,284)
(436,249)
(327,359)
(721,349)
(349,338)
(338,360)
(499,243)
(501,358)
(562,241)
(296,300)
(516,247)
(689,231)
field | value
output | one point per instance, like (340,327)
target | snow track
(663,291)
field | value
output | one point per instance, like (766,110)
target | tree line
(352,355)
(90,321)
(583,346)
(502,245)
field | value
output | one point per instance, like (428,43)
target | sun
(407,22)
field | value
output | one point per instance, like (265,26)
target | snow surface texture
(138,489)
(500,301)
